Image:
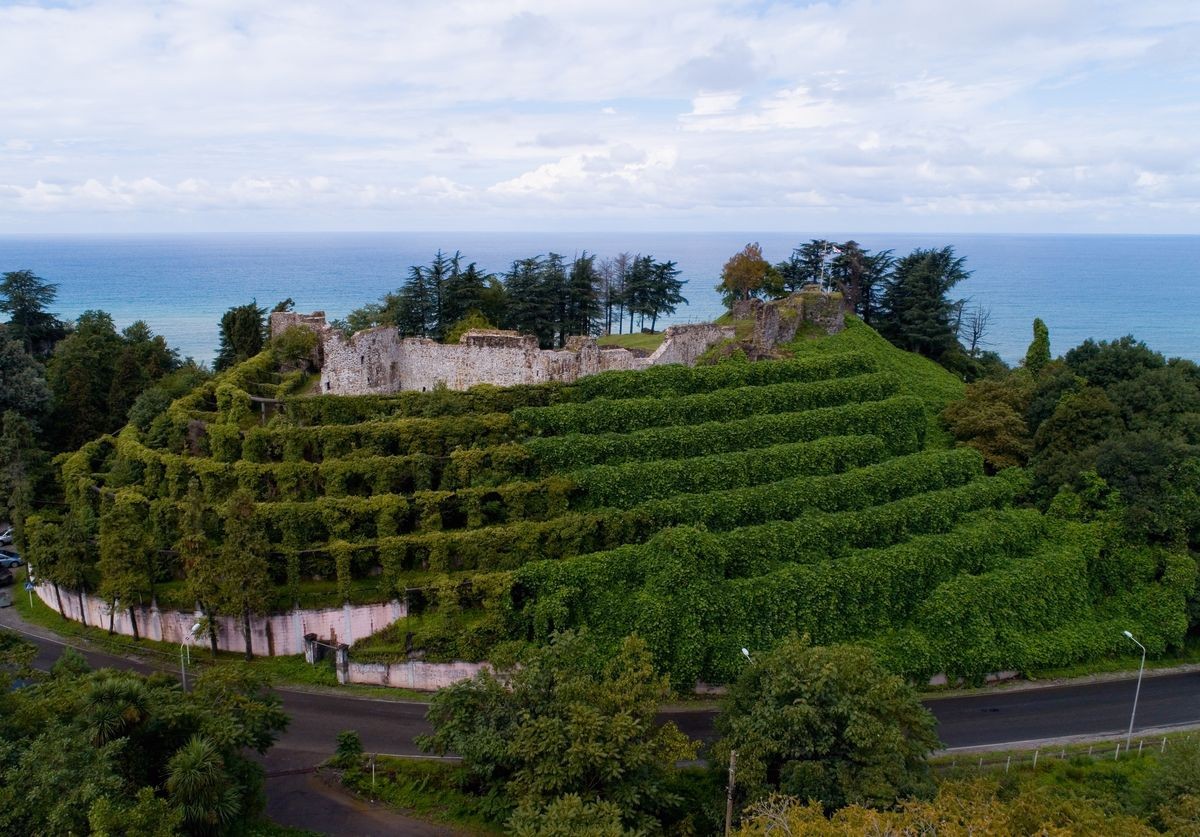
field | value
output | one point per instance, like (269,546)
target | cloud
(1066,113)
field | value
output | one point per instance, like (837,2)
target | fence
(1004,762)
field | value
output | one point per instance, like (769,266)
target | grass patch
(429,789)
(634,342)
(919,376)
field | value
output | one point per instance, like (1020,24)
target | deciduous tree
(828,724)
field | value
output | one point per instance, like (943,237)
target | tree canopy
(828,724)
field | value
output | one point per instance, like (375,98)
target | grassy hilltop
(707,509)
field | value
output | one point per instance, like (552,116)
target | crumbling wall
(379,361)
(684,343)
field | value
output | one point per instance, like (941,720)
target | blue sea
(1101,286)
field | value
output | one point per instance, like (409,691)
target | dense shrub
(603,415)
(900,421)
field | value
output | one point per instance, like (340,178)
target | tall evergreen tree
(464,292)
(555,287)
(80,375)
(1038,354)
(859,275)
(416,305)
(25,296)
(638,288)
(243,333)
(665,291)
(918,314)
(530,309)
(809,263)
(583,300)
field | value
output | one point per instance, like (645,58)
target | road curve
(982,719)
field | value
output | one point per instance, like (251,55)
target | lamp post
(1138,691)
(186,649)
(732,774)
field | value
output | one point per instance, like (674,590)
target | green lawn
(641,342)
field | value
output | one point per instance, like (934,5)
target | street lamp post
(186,649)
(1138,691)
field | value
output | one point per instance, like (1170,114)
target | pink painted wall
(277,634)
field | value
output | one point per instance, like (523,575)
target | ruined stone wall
(378,361)
(684,343)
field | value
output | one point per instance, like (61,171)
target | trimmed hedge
(899,421)
(626,485)
(576,533)
(607,416)
(673,380)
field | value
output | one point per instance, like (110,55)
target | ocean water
(1101,286)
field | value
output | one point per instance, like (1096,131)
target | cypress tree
(1038,354)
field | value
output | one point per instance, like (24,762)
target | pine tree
(583,300)
(530,309)
(464,293)
(24,297)
(917,313)
(665,291)
(415,305)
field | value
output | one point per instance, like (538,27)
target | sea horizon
(1085,284)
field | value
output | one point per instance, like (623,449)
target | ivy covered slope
(707,509)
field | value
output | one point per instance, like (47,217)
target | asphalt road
(981,719)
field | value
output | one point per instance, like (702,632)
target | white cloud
(1043,112)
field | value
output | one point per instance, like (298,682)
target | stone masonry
(378,361)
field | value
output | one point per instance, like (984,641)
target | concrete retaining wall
(277,634)
(416,675)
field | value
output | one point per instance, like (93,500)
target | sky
(895,115)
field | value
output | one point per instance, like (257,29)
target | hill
(707,509)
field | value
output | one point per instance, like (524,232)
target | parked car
(10,559)
(6,577)
(6,537)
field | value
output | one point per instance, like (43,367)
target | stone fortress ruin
(379,361)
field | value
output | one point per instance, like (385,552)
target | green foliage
(899,420)
(243,333)
(828,724)
(600,415)
(23,386)
(1038,354)
(118,753)
(473,321)
(916,312)
(991,418)
(566,722)
(295,343)
(24,297)
(349,748)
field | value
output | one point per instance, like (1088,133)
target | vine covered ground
(706,509)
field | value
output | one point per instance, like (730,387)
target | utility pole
(729,795)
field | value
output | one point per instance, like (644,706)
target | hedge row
(755,550)
(434,437)
(626,485)
(167,475)
(899,421)
(658,381)
(675,379)
(576,533)
(606,416)
(692,618)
